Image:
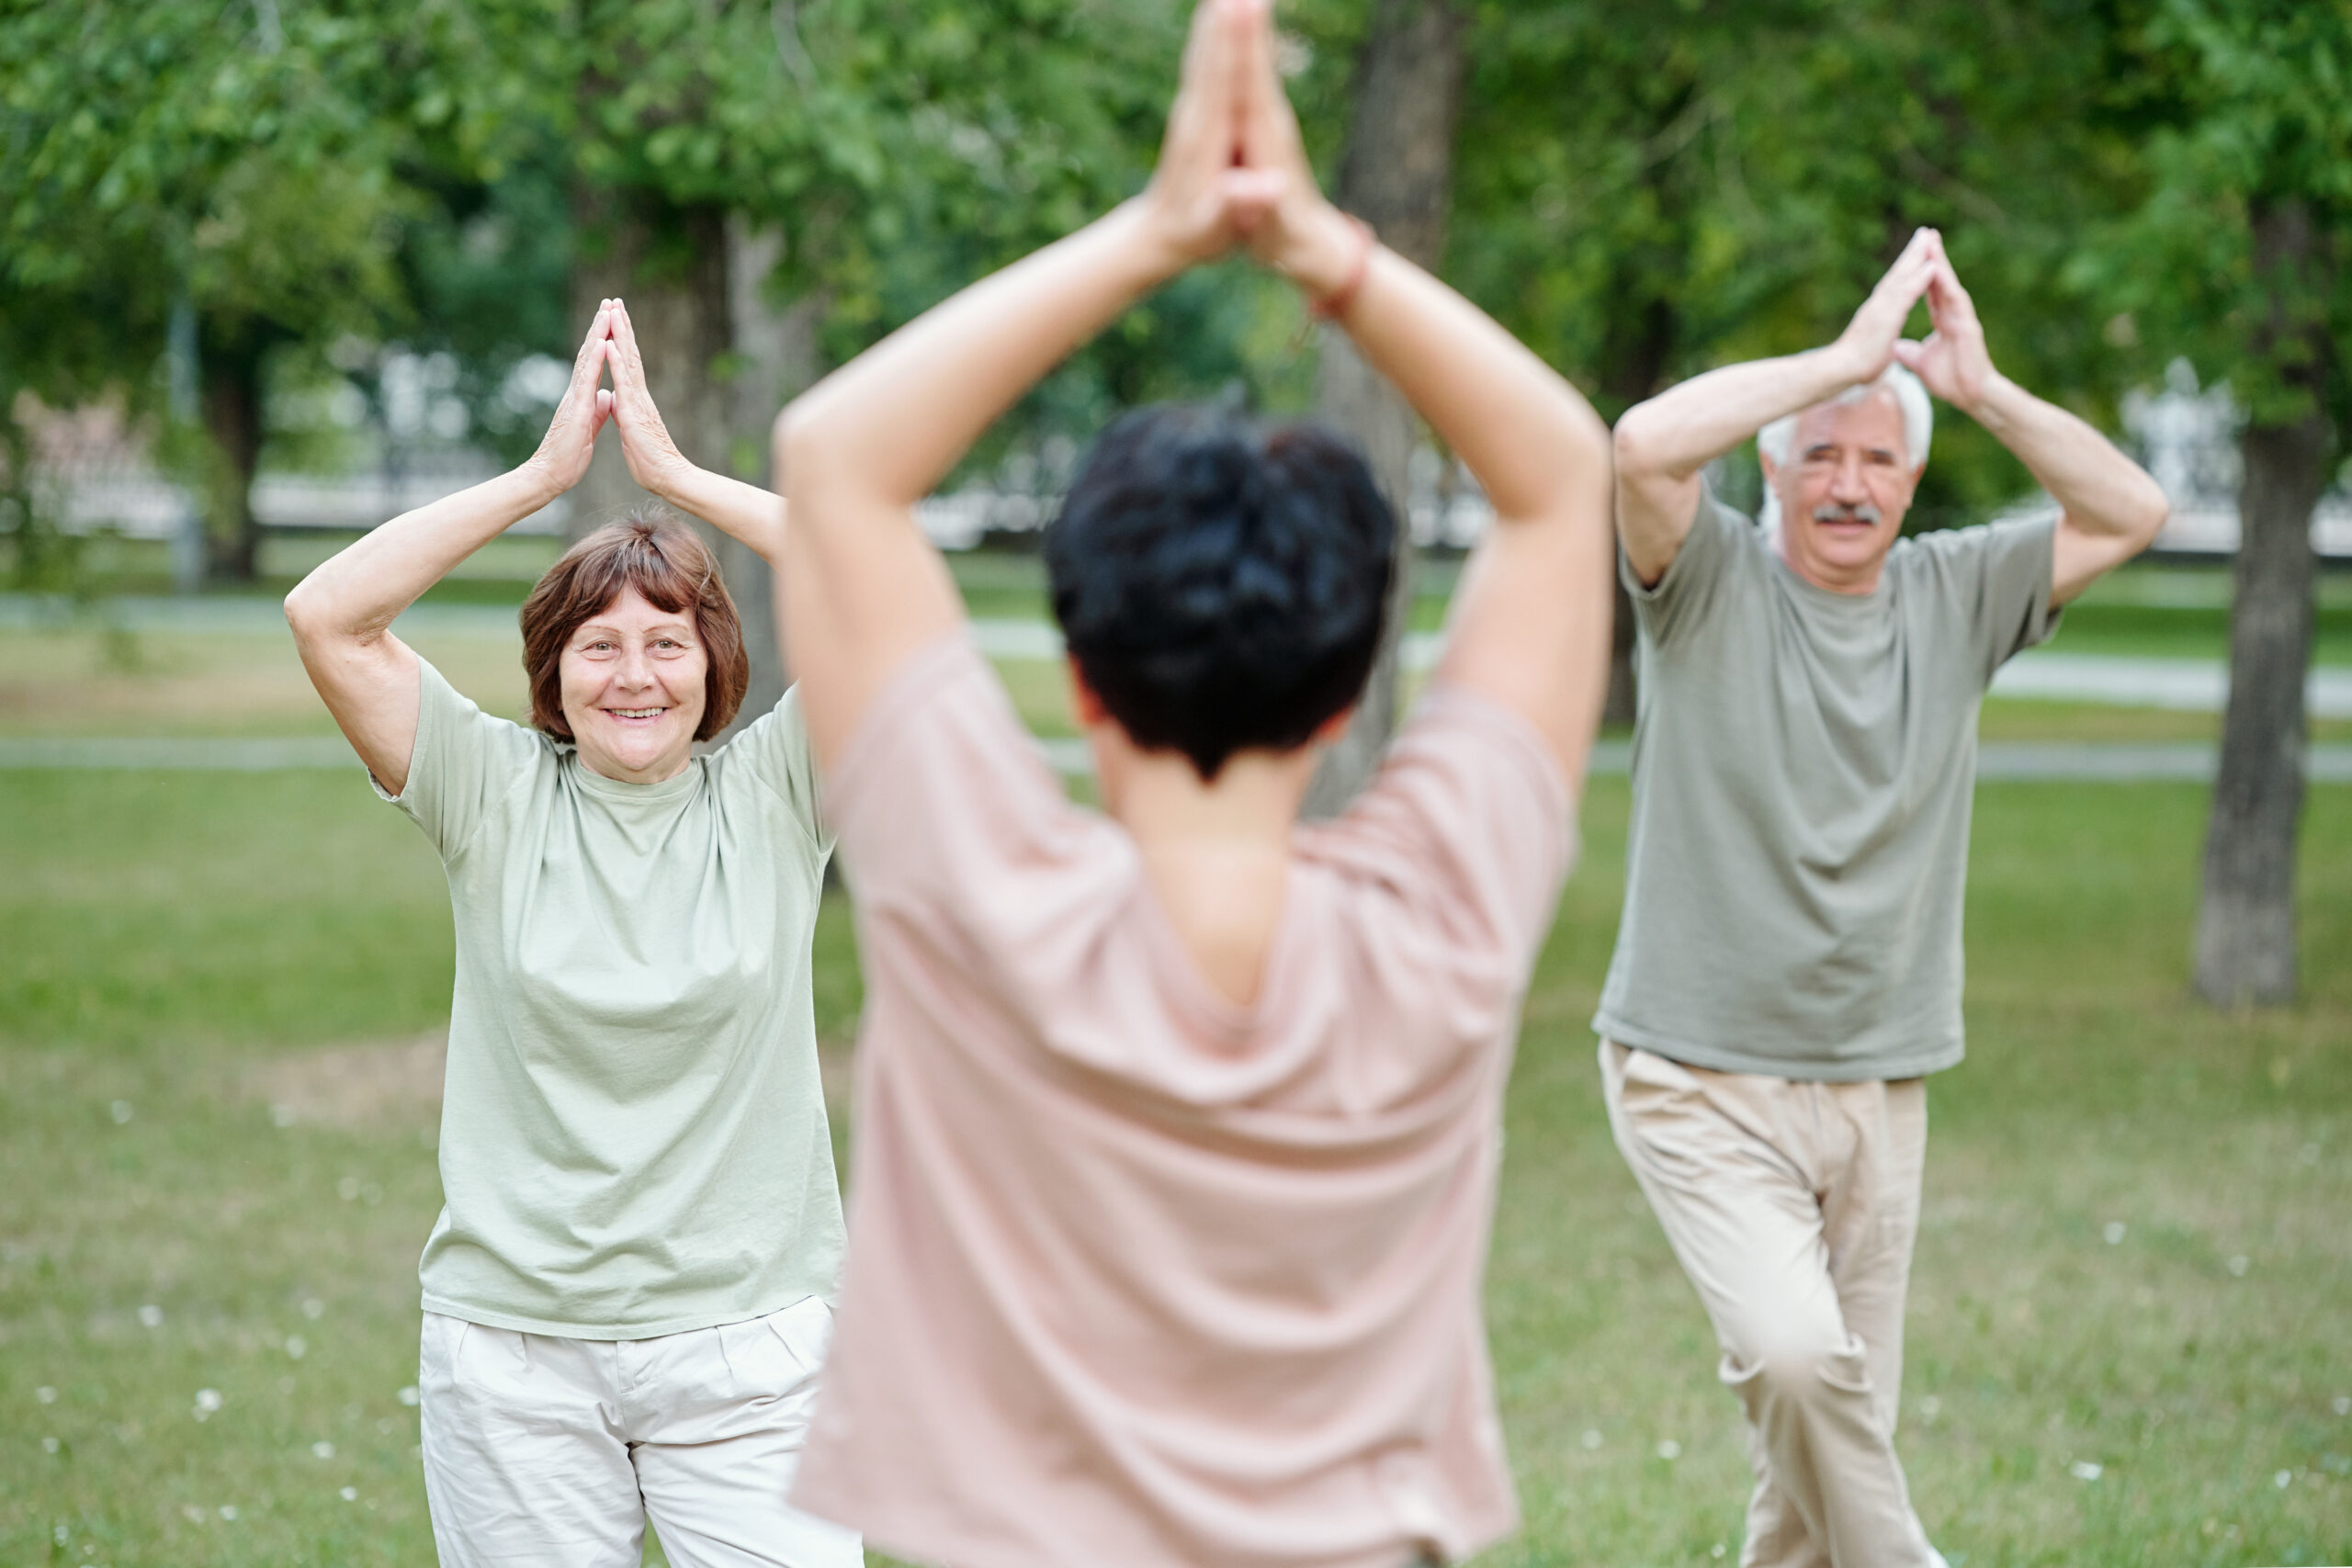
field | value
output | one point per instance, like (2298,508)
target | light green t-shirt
(1803,764)
(633,1136)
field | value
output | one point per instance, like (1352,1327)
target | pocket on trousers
(805,1332)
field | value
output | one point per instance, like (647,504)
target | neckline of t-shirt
(1881,591)
(1191,991)
(622,792)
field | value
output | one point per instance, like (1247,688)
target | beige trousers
(542,1452)
(1793,1207)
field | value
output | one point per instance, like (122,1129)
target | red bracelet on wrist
(1332,306)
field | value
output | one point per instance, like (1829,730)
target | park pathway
(2199,686)
(2118,762)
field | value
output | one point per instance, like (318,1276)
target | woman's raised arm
(865,589)
(342,612)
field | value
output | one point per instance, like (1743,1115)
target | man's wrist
(1328,253)
(1993,399)
(1840,364)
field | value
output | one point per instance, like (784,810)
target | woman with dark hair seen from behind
(1179,1122)
(628,1291)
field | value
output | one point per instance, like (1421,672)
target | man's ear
(1083,702)
(1771,470)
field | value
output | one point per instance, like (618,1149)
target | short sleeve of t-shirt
(1471,818)
(1997,579)
(463,761)
(941,793)
(774,749)
(1701,565)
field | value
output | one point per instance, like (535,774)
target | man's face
(1844,492)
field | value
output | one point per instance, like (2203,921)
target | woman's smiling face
(635,681)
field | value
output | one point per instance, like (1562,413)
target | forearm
(1682,430)
(360,590)
(891,424)
(1528,436)
(740,511)
(2100,491)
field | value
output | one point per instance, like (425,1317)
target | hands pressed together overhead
(1952,359)
(1233,170)
(654,460)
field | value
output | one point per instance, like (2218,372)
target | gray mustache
(1865,513)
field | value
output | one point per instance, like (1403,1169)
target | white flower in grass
(192,1514)
(208,1400)
(1930,1407)
(2115,1233)
(1592,1437)
(2342,1405)
(347,1189)
(151,1316)
(2283,1479)
(49,1396)
(282,1116)
(122,1112)
(313,1308)
(49,1445)
(349,1493)
(228,1513)
(297,1346)
(323,1449)
(2083,1469)
(1668,1449)
(2240,1264)
(1717,1550)
(409,1396)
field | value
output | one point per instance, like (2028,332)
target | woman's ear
(1331,728)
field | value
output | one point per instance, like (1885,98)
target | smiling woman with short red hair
(628,1292)
(665,564)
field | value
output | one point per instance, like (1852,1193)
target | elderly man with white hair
(1788,969)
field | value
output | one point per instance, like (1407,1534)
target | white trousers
(548,1451)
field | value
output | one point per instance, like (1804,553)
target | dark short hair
(666,561)
(1221,582)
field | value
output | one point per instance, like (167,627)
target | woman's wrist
(540,484)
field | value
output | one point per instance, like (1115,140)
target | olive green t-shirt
(1802,769)
(633,1136)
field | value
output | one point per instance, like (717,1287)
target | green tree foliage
(1647,191)
(240,160)
(2239,258)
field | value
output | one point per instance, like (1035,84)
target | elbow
(800,448)
(2155,512)
(1633,445)
(302,612)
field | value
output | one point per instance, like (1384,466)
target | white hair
(1776,439)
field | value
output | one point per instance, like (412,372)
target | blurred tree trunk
(775,358)
(233,417)
(669,265)
(2245,920)
(1397,173)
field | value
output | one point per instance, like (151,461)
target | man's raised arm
(1663,444)
(2110,507)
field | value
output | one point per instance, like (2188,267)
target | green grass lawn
(186,962)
